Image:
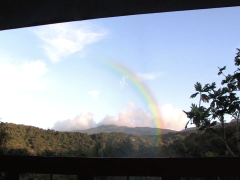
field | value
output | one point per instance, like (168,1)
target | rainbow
(142,88)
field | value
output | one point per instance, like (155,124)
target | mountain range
(141,131)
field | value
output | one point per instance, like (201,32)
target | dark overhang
(26,13)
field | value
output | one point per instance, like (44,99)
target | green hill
(29,140)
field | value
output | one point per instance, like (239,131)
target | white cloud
(83,121)
(24,76)
(123,82)
(94,94)
(61,40)
(131,116)
(148,76)
(171,118)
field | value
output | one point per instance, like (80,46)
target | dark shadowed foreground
(167,168)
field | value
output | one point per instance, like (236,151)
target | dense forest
(33,141)
(29,140)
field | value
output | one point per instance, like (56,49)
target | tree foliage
(29,140)
(223,101)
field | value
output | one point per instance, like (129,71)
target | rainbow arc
(141,88)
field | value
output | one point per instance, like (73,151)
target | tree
(223,101)
(233,84)
(97,150)
(4,138)
(200,90)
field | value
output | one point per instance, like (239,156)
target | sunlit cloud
(83,121)
(24,76)
(63,39)
(130,116)
(171,118)
(149,76)
(94,94)
(174,119)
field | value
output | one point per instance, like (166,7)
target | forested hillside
(197,143)
(29,140)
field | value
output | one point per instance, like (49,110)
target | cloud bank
(63,39)
(131,116)
(81,122)
(174,119)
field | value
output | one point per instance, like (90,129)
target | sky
(58,76)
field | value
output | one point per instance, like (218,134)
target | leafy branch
(222,101)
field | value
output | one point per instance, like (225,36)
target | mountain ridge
(142,131)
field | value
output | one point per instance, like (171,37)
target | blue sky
(52,76)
